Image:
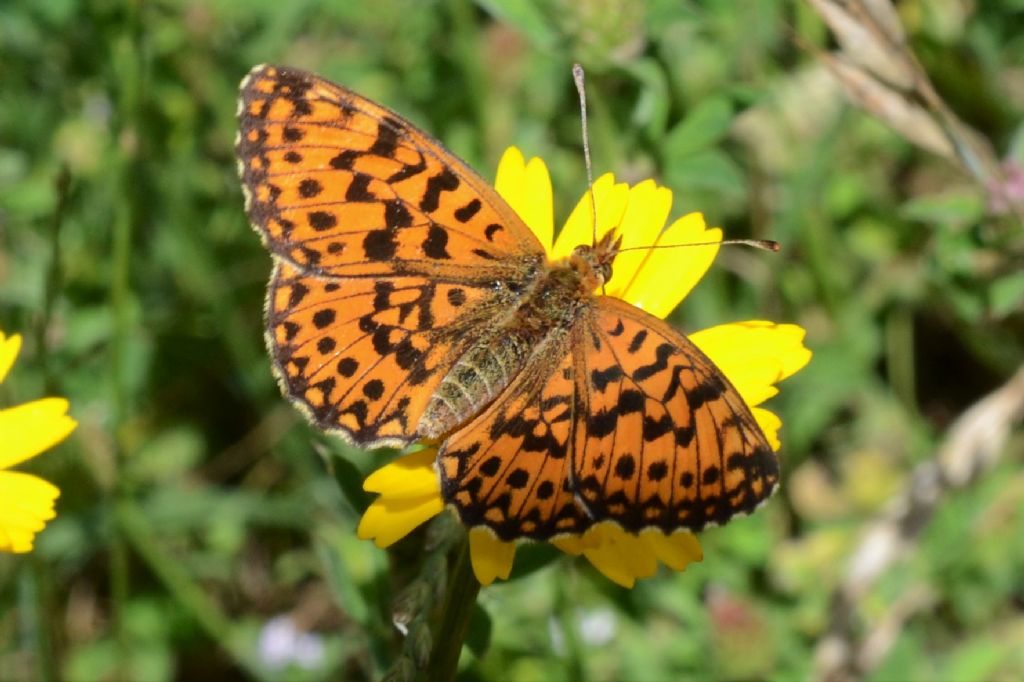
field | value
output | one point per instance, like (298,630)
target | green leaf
(650,111)
(169,454)
(533,557)
(526,17)
(950,208)
(478,634)
(711,169)
(702,128)
(339,577)
(350,480)
(1006,295)
(977,660)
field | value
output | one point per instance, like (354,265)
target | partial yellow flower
(26,501)
(753,355)
(408,495)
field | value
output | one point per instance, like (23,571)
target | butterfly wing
(666,440)
(361,356)
(631,423)
(388,252)
(510,469)
(339,185)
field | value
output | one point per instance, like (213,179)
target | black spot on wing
(359,189)
(445,181)
(436,243)
(660,364)
(467,212)
(387,138)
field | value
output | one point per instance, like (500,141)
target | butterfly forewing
(339,185)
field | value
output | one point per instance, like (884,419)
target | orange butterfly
(409,302)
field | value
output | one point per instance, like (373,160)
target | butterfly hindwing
(509,468)
(362,356)
(664,439)
(624,421)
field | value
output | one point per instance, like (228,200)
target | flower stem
(459,600)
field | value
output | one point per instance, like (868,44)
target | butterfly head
(593,264)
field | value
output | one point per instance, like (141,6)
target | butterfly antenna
(577,76)
(764,244)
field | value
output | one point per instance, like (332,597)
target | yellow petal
(526,186)
(646,212)
(754,355)
(26,504)
(9,347)
(676,551)
(408,476)
(491,558)
(668,275)
(610,198)
(770,425)
(510,178)
(621,557)
(387,520)
(26,430)
(572,544)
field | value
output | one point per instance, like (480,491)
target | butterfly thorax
(546,311)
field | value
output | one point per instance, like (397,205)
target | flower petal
(411,475)
(409,494)
(9,347)
(510,178)
(526,186)
(754,355)
(26,430)
(770,425)
(575,545)
(27,506)
(676,551)
(491,558)
(668,275)
(388,520)
(620,556)
(623,557)
(610,197)
(647,210)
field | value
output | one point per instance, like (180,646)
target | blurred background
(204,531)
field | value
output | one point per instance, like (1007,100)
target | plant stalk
(459,600)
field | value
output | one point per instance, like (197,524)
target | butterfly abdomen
(493,361)
(475,380)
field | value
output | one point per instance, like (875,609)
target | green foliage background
(196,505)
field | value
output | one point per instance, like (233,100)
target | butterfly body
(539,321)
(409,301)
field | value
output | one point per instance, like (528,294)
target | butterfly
(408,302)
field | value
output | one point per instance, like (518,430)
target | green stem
(899,337)
(53,277)
(459,600)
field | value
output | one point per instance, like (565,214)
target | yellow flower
(26,501)
(753,355)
